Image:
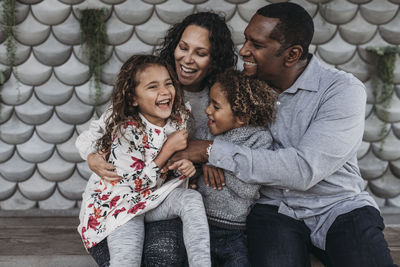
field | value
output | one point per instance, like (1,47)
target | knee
(192,198)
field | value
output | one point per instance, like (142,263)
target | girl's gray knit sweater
(229,207)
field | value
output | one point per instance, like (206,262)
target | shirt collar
(309,79)
(149,124)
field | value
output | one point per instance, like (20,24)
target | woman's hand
(98,164)
(185,167)
(213,175)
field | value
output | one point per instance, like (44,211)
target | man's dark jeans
(163,246)
(228,247)
(355,239)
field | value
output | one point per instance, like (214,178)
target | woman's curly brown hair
(249,98)
(123,94)
(222,47)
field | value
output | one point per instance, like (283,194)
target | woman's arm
(86,141)
(86,145)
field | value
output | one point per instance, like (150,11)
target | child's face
(154,94)
(219,112)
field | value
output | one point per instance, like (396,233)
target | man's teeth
(250,63)
(187,70)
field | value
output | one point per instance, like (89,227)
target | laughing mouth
(164,102)
(188,70)
(248,63)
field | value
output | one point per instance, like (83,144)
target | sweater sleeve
(86,141)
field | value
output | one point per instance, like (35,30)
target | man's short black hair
(295,26)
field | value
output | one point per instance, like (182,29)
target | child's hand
(177,140)
(213,175)
(185,167)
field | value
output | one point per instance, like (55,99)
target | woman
(199,48)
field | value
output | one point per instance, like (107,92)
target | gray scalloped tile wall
(48,98)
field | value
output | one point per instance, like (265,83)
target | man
(313,199)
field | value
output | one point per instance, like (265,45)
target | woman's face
(192,57)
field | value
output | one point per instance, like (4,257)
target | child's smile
(219,112)
(154,95)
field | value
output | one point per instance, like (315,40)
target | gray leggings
(126,242)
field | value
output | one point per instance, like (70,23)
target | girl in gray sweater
(239,111)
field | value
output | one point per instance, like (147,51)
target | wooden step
(54,241)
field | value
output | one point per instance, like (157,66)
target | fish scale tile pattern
(48,97)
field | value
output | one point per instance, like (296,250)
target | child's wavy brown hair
(250,99)
(122,98)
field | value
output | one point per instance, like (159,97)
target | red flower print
(146,192)
(145,139)
(83,232)
(138,184)
(114,201)
(138,206)
(104,197)
(131,123)
(97,213)
(90,205)
(157,131)
(118,212)
(137,164)
(114,182)
(92,223)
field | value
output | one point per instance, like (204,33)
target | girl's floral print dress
(106,206)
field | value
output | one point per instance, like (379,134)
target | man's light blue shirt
(312,174)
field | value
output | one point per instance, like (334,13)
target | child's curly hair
(249,98)
(122,98)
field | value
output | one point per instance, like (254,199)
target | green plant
(9,22)
(2,78)
(8,25)
(385,68)
(94,36)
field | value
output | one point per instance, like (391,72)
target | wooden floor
(54,241)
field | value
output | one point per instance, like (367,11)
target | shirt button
(238,173)
(218,161)
(278,103)
(287,190)
(274,133)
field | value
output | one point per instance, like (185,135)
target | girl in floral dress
(144,127)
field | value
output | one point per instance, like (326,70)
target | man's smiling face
(260,52)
